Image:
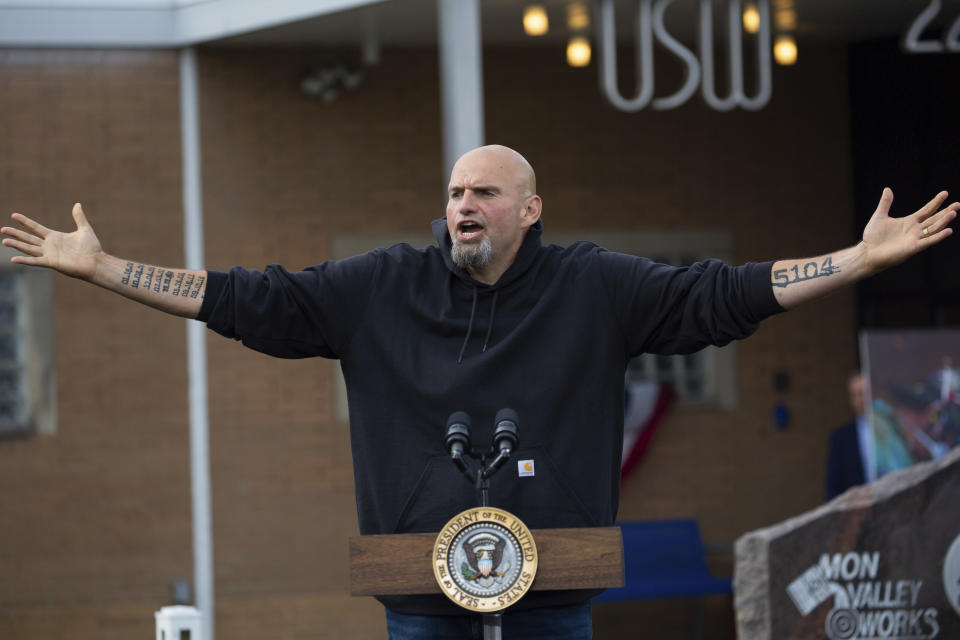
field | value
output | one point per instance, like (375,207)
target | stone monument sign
(881,561)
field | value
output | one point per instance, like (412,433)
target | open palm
(890,241)
(74,254)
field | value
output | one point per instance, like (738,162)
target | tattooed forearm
(167,277)
(141,276)
(809,271)
(159,282)
(178,284)
(198,287)
(186,285)
(179,292)
(136,277)
(149,278)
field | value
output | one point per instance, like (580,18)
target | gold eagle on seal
(484,553)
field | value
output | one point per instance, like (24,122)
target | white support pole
(196,346)
(461,78)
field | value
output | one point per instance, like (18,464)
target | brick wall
(96,518)
(99,521)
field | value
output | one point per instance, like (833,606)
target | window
(13,400)
(27,379)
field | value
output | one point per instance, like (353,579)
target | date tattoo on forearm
(141,276)
(809,271)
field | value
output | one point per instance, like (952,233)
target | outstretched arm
(78,254)
(886,242)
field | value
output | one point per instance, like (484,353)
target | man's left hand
(888,241)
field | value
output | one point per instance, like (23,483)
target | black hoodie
(418,339)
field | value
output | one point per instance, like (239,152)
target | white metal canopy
(149,23)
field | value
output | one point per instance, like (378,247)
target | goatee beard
(475,256)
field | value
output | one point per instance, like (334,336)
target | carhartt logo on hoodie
(525,468)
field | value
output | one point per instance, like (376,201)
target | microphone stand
(483,479)
(492,622)
(506,440)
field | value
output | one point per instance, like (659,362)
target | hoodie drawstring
(473,312)
(493,310)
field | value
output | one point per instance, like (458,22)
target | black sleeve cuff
(761,299)
(216,281)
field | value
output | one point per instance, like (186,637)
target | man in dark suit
(850,457)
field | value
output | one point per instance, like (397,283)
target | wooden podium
(400,564)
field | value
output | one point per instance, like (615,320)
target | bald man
(504,182)
(487,318)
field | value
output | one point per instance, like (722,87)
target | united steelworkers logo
(484,559)
(951,574)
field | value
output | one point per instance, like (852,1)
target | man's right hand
(78,254)
(74,254)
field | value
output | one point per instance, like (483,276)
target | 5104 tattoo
(809,271)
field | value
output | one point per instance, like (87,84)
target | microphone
(505,435)
(457,439)
(505,440)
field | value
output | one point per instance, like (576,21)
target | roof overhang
(149,23)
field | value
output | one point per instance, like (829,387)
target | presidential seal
(484,559)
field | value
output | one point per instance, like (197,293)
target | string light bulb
(785,50)
(786,19)
(578,16)
(578,52)
(535,21)
(751,19)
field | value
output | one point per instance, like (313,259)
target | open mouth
(468,229)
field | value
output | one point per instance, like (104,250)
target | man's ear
(531,211)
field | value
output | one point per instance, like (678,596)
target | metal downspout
(196,346)
(461,79)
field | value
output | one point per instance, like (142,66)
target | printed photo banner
(913,378)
